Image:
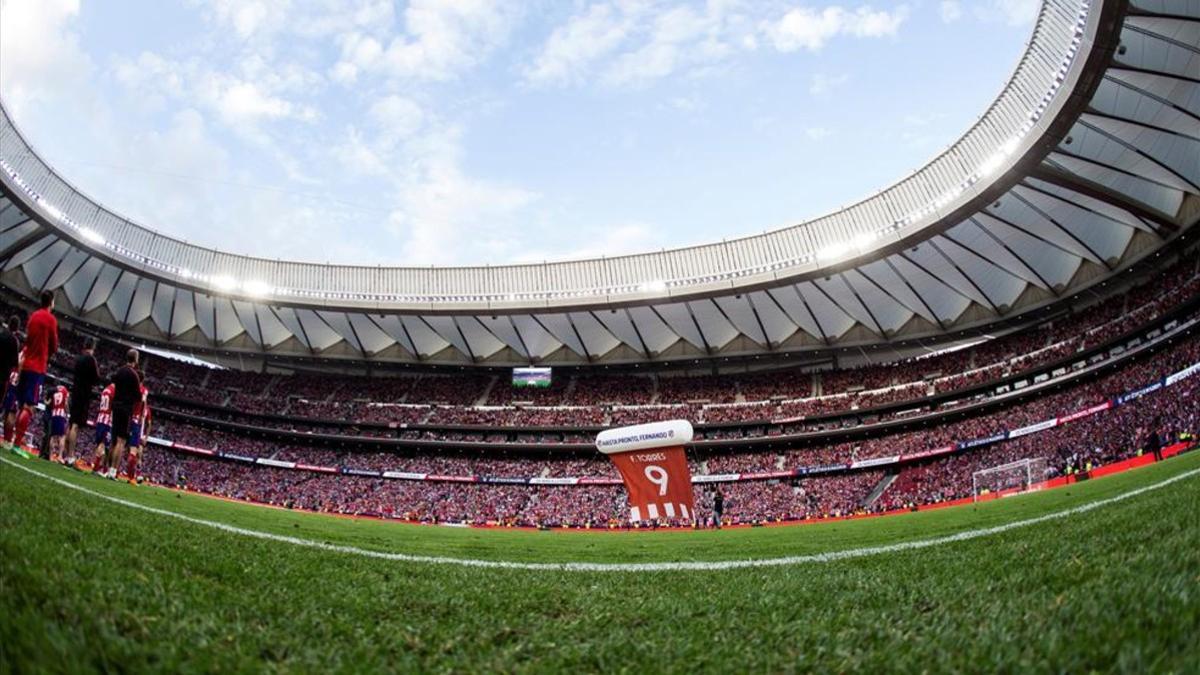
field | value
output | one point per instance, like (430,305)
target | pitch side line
(831,556)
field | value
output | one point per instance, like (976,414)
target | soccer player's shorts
(58,426)
(29,387)
(102,432)
(79,409)
(121,418)
(135,434)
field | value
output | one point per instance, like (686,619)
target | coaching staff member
(127,391)
(10,349)
(86,377)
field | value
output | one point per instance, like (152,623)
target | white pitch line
(831,556)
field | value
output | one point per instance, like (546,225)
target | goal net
(1016,476)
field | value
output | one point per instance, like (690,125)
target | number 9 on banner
(658,476)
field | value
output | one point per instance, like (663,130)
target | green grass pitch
(87,584)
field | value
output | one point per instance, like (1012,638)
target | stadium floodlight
(53,210)
(257,288)
(224,283)
(656,286)
(1013,477)
(832,251)
(91,235)
(990,165)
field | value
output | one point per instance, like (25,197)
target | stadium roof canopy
(1087,161)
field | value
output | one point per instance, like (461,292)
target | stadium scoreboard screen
(531,377)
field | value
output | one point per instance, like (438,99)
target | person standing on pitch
(41,341)
(10,358)
(718,508)
(86,376)
(1154,440)
(127,392)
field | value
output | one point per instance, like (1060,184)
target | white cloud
(680,37)
(396,117)
(631,42)
(810,29)
(249,16)
(821,84)
(441,39)
(242,103)
(40,56)
(951,11)
(1016,12)
(575,45)
(358,155)
(445,216)
(817,133)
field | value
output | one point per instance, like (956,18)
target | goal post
(1018,476)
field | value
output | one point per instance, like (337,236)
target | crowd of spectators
(1097,439)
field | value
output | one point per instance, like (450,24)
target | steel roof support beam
(941,324)
(24,242)
(1154,226)
(1000,242)
(571,322)
(1070,181)
(703,338)
(1134,28)
(1015,195)
(54,269)
(954,264)
(520,338)
(757,319)
(882,333)
(171,317)
(1092,112)
(1149,94)
(16,224)
(637,331)
(487,330)
(938,279)
(462,336)
(863,273)
(813,315)
(1036,280)
(1138,151)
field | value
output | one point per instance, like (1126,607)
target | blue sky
(472,132)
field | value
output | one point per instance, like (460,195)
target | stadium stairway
(487,391)
(878,490)
(570,390)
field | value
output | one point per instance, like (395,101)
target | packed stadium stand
(1032,292)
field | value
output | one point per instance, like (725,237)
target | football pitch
(1101,575)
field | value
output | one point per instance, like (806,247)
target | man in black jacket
(83,383)
(10,346)
(1154,441)
(10,354)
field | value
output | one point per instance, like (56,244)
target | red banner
(653,465)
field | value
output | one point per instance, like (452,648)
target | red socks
(23,419)
(132,463)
